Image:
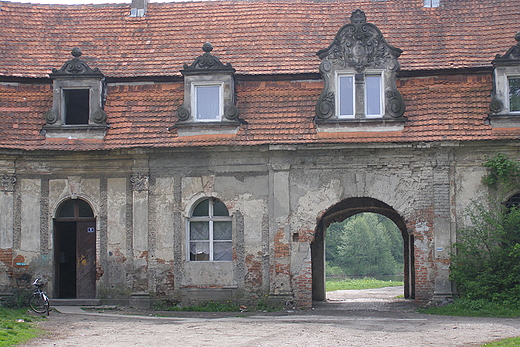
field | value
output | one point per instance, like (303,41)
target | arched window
(210,232)
(513,201)
(75,209)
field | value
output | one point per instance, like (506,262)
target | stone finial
(76,52)
(207,47)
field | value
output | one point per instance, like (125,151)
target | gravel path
(353,318)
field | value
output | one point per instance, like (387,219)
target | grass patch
(15,327)
(475,308)
(360,283)
(511,342)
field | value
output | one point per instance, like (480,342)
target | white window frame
(432,3)
(338,96)
(381,94)
(508,99)
(194,105)
(210,219)
(368,73)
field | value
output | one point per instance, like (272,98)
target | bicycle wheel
(38,304)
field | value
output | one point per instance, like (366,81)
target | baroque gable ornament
(76,66)
(207,62)
(357,47)
(361,45)
(512,55)
(510,59)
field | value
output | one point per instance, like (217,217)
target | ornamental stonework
(7,183)
(139,182)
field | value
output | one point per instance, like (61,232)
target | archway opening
(75,250)
(364,245)
(343,211)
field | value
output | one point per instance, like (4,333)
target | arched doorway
(75,250)
(342,211)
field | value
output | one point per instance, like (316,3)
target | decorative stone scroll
(358,47)
(207,62)
(139,181)
(76,66)
(7,183)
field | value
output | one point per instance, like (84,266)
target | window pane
(202,209)
(514,94)
(208,102)
(199,230)
(67,209)
(373,95)
(76,106)
(346,96)
(219,209)
(199,251)
(84,209)
(222,231)
(222,251)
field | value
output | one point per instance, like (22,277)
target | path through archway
(343,210)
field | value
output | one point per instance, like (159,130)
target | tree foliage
(486,262)
(365,244)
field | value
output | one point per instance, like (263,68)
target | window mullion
(211,240)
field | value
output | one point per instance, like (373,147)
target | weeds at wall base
(474,308)
(215,306)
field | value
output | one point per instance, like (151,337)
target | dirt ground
(349,318)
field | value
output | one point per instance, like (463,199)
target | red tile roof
(257,37)
(438,108)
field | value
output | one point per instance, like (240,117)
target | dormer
(359,70)
(505,96)
(209,97)
(79,94)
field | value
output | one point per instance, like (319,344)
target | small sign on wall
(91,230)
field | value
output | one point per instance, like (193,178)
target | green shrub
(486,262)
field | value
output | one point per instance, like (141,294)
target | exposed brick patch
(6,257)
(19,262)
(302,285)
(253,279)
(281,247)
(119,256)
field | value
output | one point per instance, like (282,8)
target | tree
(365,244)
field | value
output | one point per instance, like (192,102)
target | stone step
(75,302)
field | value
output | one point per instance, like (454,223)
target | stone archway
(342,211)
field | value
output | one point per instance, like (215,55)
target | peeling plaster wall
(276,196)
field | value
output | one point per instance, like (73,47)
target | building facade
(143,167)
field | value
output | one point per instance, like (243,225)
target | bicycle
(39,301)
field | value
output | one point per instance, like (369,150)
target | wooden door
(86,260)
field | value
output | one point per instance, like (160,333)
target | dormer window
(359,69)
(78,100)
(207,102)
(76,106)
(209,97)
(505,96)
